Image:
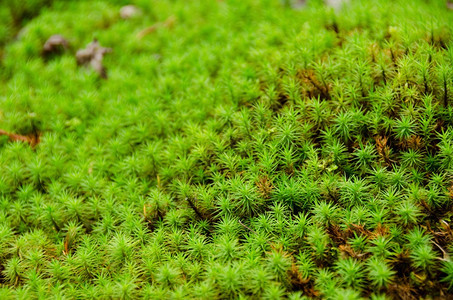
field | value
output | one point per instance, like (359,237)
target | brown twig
(246,227)
(32,140)
(148,30)
(445,254)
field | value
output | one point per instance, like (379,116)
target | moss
(238,149)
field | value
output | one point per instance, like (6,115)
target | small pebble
(129,11)
(336,4)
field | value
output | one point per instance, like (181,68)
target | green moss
(245,149)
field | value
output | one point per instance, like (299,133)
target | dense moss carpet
(235,149)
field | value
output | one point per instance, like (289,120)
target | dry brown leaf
(93,55)
(56,44)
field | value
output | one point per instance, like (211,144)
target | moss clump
(246,150)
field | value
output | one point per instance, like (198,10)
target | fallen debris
(55,45)
(295,4)
(167,23)
(336,4)
(130,11)
(33,140)
(93,55)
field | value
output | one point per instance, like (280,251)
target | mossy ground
(243,150)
